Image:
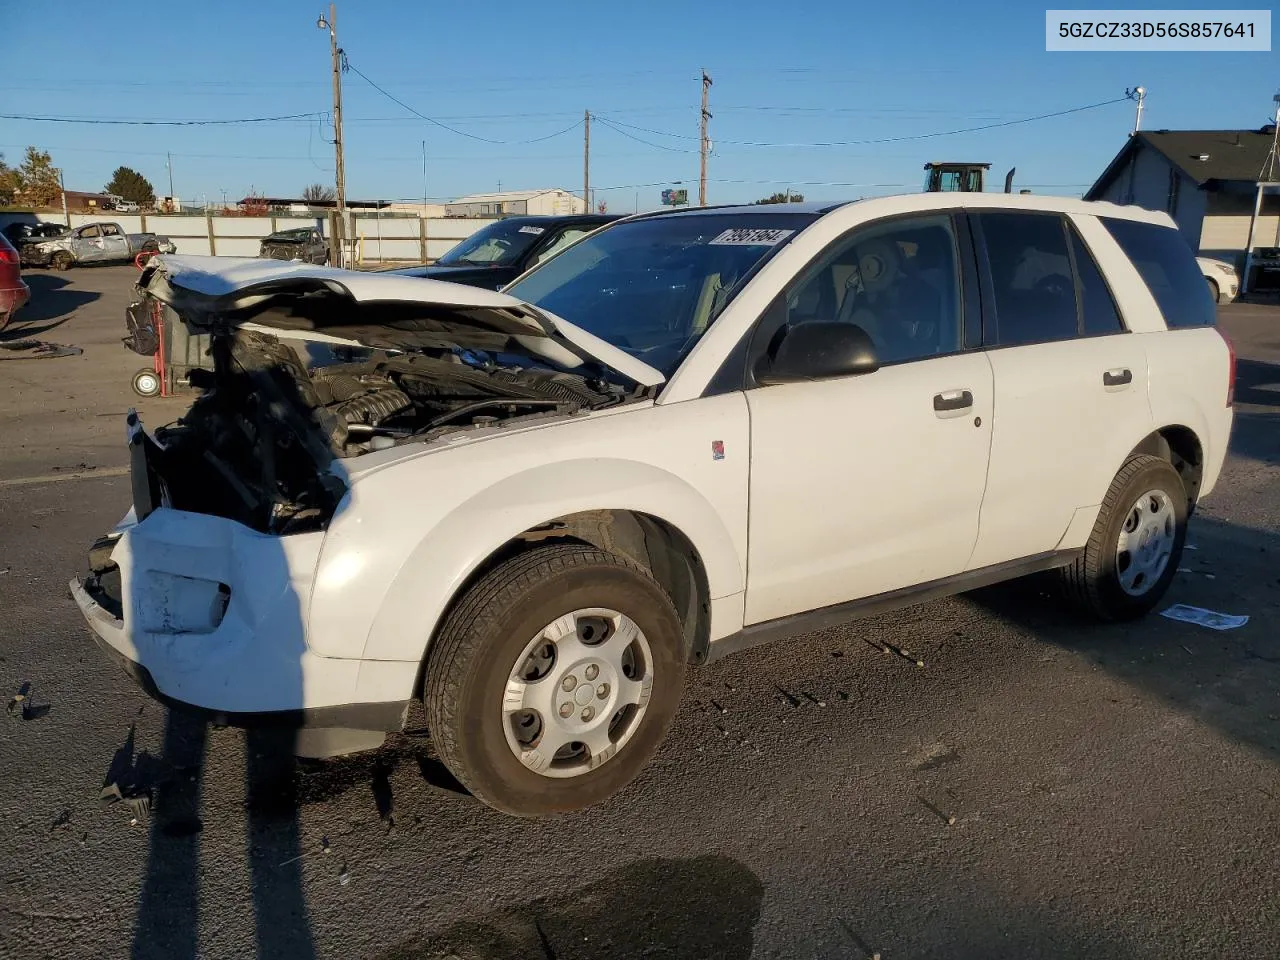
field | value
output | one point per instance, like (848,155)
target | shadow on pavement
(52,303)
(1228,679)
(703,908)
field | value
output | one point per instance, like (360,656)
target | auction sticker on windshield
(534,230)
(749,237)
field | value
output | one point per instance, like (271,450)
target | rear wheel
(146,383)
(555,679)
(1133,552)
(1213,288)
(61,260)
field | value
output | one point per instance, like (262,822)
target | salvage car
(14,293)
(305,244)
(495,255)
(21,233)
(93,243)
(688,433)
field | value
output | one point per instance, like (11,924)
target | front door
(115,244)
(866,484)
(89,245)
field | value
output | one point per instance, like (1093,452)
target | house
(1207,180)
(552,201)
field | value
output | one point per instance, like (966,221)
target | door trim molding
(824,617)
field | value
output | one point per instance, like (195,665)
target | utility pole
(704,143)
(424,176)
(586,159)
(62,180)
(340,173)
(168,162)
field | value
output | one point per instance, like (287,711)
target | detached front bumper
(206,614)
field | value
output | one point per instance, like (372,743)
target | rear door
(1070,382)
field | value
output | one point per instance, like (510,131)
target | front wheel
(61,260)
(1132,554)
(554,679)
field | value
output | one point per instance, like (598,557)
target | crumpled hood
(219,294)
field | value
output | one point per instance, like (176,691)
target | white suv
(687,433)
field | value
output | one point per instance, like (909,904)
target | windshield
(499,244)
(653,287)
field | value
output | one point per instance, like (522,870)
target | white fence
(378,239)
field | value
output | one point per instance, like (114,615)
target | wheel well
(656,545)
(1181,447)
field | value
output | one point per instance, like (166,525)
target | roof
(925,202)
(301,202)
(1231,155)
(508,195)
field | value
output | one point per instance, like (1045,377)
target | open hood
(386,310)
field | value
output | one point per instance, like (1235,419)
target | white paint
(827,491)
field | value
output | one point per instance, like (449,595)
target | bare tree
(318,193)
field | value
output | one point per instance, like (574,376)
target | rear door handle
(952,400)
(1117,378)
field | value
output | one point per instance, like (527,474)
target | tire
(61,260)
(146,383)
(1095,582)
(486,637)
(1213,289)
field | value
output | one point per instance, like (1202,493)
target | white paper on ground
(1203,617)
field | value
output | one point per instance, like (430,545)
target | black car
(495,255)
(23,232)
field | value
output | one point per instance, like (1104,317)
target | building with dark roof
(1207,180)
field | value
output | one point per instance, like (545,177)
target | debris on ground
(794,701)
(37,350)
(900,651)
(138,801)
(947,818)
(62,823)
(343,877)
(22,704)
(1204,618)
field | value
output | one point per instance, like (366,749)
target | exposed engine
(257,445)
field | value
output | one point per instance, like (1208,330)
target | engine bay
(257,444)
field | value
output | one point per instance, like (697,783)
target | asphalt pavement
(1040,787)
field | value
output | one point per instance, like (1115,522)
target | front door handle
(952,400)
(1117,378)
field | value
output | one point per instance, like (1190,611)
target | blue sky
(783,73)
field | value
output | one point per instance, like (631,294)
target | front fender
(410,536)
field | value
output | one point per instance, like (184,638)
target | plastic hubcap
(577,692)
(1146,542)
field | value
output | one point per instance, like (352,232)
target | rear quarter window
(1169,269)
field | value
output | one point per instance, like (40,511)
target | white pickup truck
(688,433)
(93,243)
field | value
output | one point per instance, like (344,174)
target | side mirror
(819,351)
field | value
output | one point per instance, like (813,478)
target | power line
(156,123)
(462,133)
(616,129)
(900,139)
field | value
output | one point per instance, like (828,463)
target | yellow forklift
(949,177)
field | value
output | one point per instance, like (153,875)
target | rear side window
(1169,269)
(1098,313)
(1034,292)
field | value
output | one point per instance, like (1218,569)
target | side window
(569,235)
(90,232)
(1035,296)
(898,280)
(110,230)
(1168,268)
(1098,311)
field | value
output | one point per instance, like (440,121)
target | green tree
(38,179)
(318,192)
(9,182)
(131,185)
(787,197)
